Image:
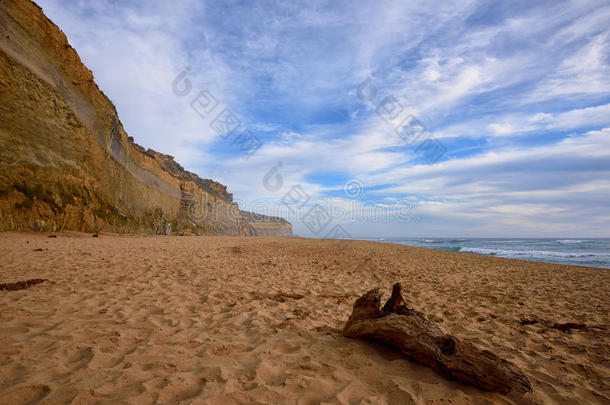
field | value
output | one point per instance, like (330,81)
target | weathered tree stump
(420,339)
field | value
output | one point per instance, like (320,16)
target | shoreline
(78,234)
(473,250)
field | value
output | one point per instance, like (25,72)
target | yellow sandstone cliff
(67,163)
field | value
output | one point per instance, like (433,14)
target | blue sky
(515,95)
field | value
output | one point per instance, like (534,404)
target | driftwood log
(420,339)
(21,285)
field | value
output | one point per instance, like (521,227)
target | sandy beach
(236,320)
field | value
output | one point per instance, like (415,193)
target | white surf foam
(541,254)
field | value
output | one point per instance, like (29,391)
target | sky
(370,118)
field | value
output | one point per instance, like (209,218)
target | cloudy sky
(390,118)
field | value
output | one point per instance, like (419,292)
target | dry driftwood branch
(417,337)
(21,285)
(563,327)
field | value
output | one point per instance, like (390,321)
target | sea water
(583,252)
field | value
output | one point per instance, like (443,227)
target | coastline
(584,252)
(217,319)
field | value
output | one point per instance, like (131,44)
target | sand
(227,320)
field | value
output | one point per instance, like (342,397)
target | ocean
(581,252)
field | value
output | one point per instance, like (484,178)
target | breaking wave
(530,253)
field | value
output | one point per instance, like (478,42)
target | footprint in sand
(27,394)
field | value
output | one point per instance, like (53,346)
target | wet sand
(228,320)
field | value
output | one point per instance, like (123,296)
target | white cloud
(586,72)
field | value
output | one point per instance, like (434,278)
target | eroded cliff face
(66,161)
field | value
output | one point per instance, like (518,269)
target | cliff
(66,161)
